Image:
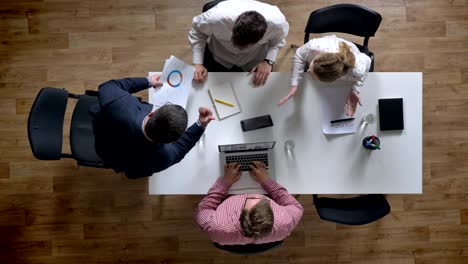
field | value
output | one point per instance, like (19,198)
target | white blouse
(305,54)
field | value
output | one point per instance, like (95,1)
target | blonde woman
(330,58)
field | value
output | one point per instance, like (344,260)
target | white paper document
(332,105)
(177,78)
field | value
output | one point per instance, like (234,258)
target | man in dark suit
(133,137)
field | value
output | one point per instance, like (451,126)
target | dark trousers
(213,66)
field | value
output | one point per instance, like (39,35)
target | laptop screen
(246,146)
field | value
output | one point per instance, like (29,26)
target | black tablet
(391,114)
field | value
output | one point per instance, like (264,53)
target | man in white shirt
(242,35)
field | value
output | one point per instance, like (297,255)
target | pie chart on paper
(175,78)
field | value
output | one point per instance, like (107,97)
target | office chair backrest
(359,210)
(345,18)
(210,5)
(45,123)
(249,249)
(82,139)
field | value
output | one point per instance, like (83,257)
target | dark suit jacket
(120,141)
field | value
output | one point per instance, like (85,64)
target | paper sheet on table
(177,78)
(332,103)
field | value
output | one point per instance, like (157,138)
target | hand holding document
(332,101)
(177,78)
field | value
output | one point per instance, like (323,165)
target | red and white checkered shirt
(219,217)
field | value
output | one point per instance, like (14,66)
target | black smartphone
(256,123)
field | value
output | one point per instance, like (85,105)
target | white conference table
(319,163)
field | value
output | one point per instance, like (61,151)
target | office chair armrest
(92,164)
(91,93)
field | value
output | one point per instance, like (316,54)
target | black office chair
(45,127)
(249,249)
(210,5)
(359,210)
(345,18)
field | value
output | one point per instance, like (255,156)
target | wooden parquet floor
(56,212)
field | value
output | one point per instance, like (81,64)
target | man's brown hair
(258,221)
(249,28)
(167,124)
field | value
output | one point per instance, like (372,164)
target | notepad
(391,114)
(224,92)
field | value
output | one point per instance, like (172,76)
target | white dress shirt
(305,54)
(215,28)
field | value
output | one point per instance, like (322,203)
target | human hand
(258,172)
(155,82)
(205,116)
(232,172)
(351,102)
(292,92)
(262,71)
(200,72)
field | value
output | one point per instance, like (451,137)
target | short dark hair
(258,221)
(167,124)
(248,29)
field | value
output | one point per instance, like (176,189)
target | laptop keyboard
(246,160)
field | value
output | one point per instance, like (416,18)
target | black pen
(342,120)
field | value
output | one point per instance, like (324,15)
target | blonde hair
(330,66)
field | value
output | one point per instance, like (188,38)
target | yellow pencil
(224,102)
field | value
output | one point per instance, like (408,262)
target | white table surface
(319,164)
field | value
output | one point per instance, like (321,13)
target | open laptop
(245,154)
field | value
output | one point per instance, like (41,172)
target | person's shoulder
(362,64)
(332,38)
(264,6)
(224,227)
(223,223)
(284,216)
(222,15)
(272,13)
(349,43)
(225,10)
(129,104)
(313,42)
(320,44)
